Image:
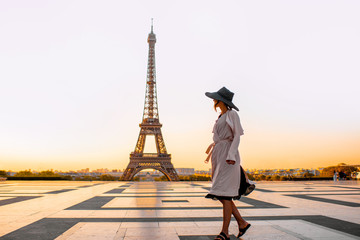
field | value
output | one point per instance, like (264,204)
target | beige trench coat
(226,177)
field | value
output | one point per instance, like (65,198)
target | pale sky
(72,80)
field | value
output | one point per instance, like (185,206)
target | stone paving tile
(70,232)
(95,231)
(175,210)
(139,225)
(177,224)
(198,231)
(108,214)
(72,214)
(151,232)
(340,197)
(209,223)
(306,230)
(4,198)
(166,237)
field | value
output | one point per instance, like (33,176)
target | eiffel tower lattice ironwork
(150,126)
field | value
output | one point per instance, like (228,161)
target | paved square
(175,210)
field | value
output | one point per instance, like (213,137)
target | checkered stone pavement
(175,210)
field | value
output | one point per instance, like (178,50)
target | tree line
(326,173)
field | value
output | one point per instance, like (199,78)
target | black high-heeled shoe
(242,231)
(222,236)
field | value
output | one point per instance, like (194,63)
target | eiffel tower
(150,126)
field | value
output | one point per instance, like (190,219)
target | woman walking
(225,161)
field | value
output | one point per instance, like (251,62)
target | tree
(163,178)
(308,175)
(275,177)
(87,178)
(107,177)
(3,173)
(192,178)
(329,171)
(283,178)
(26,173)
(251,177)
(48,173)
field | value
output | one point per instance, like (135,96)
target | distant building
(10,173)
(115,173)
(102,170)
(202,172)
(185,171)
(83,171)
(315,172)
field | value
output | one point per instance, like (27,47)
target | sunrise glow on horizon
(73,74)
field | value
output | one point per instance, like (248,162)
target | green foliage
(194,178)
(263,177)
(251,177)
(48,173)
(186,178)
(107,177)
(3,173)
(161,179)
(88,178)
(26,173)
(308,175)
(283,178)
(67,177)
(275,178)
(329,171)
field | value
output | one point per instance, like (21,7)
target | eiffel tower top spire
(152,22)
(151,113)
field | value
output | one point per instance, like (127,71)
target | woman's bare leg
(227,210)
(241,222)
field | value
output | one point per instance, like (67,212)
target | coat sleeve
(234,122)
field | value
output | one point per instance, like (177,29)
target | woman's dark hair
(227,106)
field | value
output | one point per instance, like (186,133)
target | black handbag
(245,187)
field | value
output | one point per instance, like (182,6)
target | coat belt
(210,149)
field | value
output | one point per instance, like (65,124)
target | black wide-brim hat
(224,95)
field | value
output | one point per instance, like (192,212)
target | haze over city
(72,81)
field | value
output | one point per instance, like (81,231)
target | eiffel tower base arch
(164,166)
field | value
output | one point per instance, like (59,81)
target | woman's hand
(231,162)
